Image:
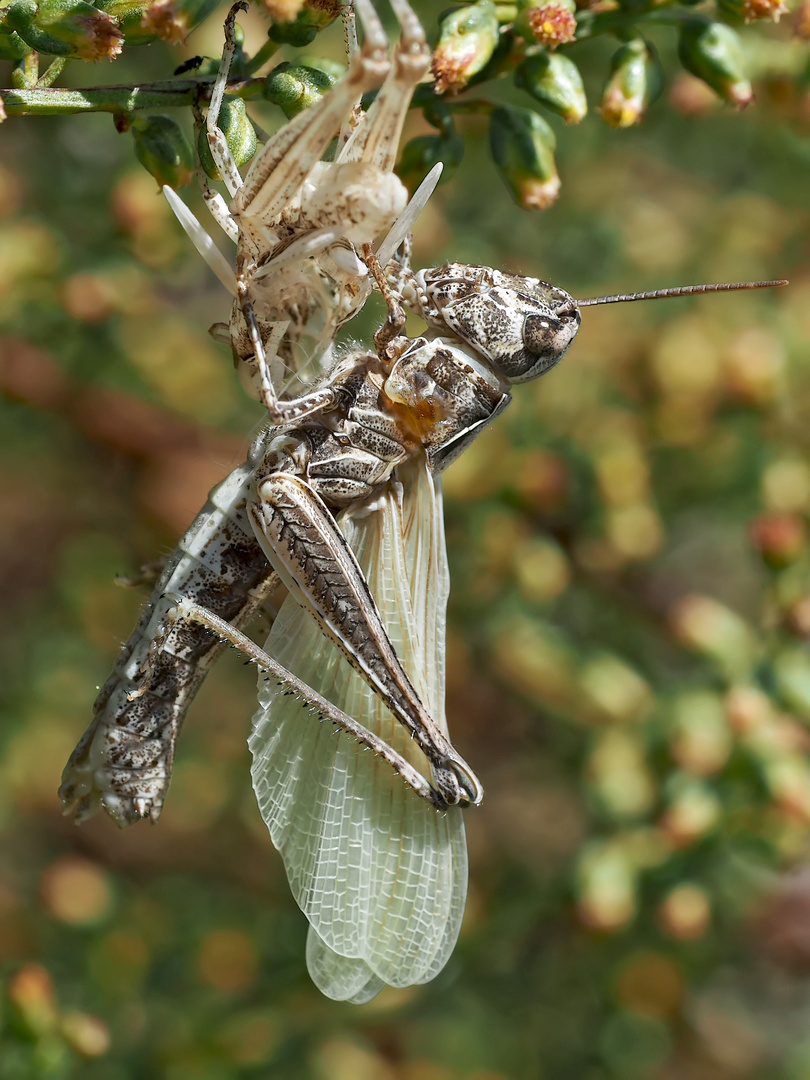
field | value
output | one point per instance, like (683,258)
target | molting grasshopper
(344,507)
(340,501)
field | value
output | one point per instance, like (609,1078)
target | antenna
(681,290)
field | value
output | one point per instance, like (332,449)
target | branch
(119,99)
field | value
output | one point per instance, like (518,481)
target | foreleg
(216,140)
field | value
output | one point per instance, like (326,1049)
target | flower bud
(712,52)
(32,997)
(693,810)
(606,886)
(284,10)
(467,40)
(711,628)
(788,779)
(616,689)
(422,153)
(173,20)
(554,81)
(633,82)
(84,1034)
(748,709)
(779,538)
(549,22)
(128,15)
(619,775)
(162,149)
(700,737)
(300,27)
(239,135)
(751,10)
(12,46)
(295,87)
(65,28)
(522,146)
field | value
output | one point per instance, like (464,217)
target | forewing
(379,873)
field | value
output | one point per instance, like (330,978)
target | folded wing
(379,873)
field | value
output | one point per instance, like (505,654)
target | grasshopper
(340,501)
(343,506)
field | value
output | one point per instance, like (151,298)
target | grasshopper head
(521,325)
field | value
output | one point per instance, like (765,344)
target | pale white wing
(201,240)
(406,220)
(380,874)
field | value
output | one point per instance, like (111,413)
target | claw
(457,783)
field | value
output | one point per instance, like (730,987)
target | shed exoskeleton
(301,225)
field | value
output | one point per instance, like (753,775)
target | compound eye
(541,334)
(546,338)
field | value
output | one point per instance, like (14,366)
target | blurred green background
(628,671)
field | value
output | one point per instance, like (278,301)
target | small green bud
(554,81)
(239,135)
(65,28)
(12,46)
(711,51)
(522,146)
(634,82)
(467,40)
(549,22)
(173,20)
(422,153)
(163,150)
(295,87)
(302,28)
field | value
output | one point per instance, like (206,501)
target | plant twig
(169,93)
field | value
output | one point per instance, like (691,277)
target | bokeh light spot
(76,891)
(228,960)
